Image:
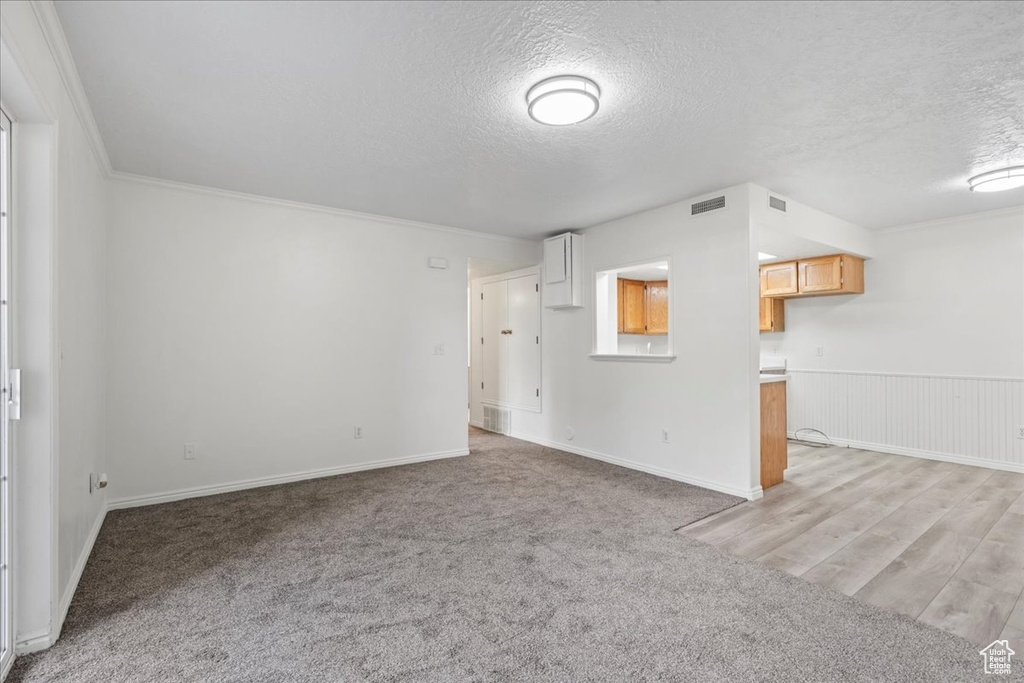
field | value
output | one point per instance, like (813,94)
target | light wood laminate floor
(940,542)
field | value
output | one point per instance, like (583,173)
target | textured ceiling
(875,112)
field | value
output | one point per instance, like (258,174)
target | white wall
(801,227)
(643,343)
(59,304)
(707,399)
(942,300)
(264,332)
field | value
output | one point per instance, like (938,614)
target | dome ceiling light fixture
(563,100)
(997,181)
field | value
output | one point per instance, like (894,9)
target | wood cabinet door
(632,306)
(823,274)
(772,317)
(778,279)
(657,307)
(774,449)
(765,324)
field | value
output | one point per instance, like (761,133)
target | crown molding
(119,176)
(981,215)
(49,22)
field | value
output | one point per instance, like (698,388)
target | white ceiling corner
(56,40)
(874,112)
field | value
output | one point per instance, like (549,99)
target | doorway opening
(504,372)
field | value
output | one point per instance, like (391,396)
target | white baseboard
(40,640)
(33,642)
(76,573)
(749,494)
(199,491)
(913,452)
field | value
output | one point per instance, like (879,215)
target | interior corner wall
(264,333)
(929,360)
(616,410)
(58,232)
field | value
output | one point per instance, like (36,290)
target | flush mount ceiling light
(997,181)
(563,100)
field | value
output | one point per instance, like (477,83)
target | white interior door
(6,527)
(494,351)
(524,342)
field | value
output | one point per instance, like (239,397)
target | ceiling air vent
(707,205)
(776,203)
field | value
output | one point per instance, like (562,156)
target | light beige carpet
(517,563)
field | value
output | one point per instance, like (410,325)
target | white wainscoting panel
(963,419)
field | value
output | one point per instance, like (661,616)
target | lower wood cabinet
(774,447)
(643,306)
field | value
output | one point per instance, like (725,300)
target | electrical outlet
(1020,432)
(569,434)
(357,433)
(190,451)
(664,436)
(438,349)
(820,351)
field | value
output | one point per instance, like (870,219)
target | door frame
(6,457)
(474,324)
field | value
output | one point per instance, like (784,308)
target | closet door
(494,351)
(524,342)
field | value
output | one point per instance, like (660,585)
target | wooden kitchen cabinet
(656,305)
(821,276)
(773,315)
(778,279)
(774,448)
(643,306)
(632,306)
(838,274)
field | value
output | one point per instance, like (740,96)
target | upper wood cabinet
(643,306)
(773,315)
(657,307)
(825,275)
(778,279)
(839,274)
(632,304)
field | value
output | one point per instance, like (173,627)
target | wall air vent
(497,420)
(707,205)
(776,203)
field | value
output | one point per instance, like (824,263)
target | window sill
(632,358)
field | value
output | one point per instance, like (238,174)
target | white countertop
(765,378)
